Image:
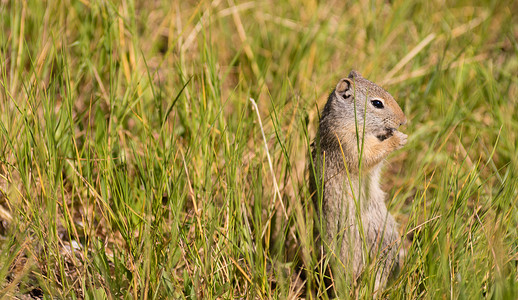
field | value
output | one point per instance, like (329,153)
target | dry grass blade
(275,185)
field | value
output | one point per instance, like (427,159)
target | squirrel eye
(377,103)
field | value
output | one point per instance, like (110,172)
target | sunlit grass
(132,163)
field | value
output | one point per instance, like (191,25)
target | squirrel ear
(344,88)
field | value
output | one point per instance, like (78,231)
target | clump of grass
(133,165)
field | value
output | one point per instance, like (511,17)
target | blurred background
(133,165)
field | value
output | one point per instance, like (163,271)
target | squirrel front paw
(397,140)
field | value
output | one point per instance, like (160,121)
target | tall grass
(132,164)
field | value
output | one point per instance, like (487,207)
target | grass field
(133,164)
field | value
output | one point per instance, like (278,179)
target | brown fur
(339,141)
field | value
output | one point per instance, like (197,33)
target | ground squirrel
(346,191)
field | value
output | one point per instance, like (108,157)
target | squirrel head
(374,106)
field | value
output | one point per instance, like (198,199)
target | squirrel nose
(402,122)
